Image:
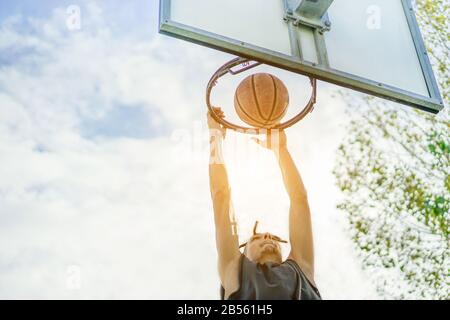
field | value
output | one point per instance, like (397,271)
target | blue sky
(137,16)
(103,177)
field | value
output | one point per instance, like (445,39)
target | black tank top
(272,281)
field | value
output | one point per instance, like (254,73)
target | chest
(250,280)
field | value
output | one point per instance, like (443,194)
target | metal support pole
(321,48)
(311,14)
(296,48)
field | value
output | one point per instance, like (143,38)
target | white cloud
(132,215)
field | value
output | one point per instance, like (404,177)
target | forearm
(291,176)
(218,176)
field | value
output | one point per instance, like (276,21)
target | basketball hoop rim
(227,68)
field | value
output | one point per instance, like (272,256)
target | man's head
(263,247)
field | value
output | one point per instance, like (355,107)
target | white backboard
(373,46)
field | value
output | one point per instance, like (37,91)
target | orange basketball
(261,100)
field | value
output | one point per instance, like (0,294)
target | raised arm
(226,228)
(300,229)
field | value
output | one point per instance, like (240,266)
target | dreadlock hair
(276,238)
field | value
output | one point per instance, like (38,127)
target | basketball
(261,100)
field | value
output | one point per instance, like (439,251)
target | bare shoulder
(230,281)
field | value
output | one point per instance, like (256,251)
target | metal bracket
(322,25)
(311,13)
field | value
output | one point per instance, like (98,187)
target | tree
(393,169)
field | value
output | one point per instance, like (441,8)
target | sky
(104,188)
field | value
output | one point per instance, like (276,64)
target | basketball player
(259,272)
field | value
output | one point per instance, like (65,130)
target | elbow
(220,194)
(300,195)
(297,192)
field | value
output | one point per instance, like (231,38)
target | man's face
(263,245)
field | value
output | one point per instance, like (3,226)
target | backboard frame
(432,104)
